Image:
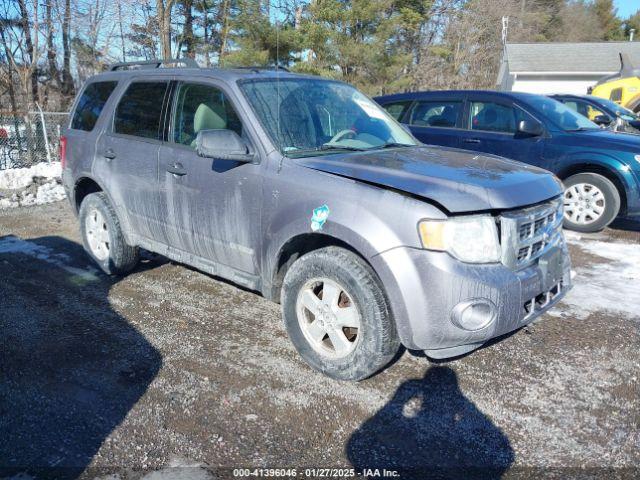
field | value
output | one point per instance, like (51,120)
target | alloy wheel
(583,204)
(328,317)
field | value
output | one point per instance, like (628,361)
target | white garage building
(561,67)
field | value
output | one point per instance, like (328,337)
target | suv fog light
(474,314)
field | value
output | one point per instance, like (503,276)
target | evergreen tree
(610,24)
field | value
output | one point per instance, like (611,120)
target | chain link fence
(28,138)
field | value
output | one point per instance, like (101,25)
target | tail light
(63,151)
(3,133)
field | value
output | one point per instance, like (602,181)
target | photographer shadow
(71,366)
(429,429)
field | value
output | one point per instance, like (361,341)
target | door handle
(109,154)
(471,140)
(176,169)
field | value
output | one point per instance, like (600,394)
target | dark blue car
(602,111)
(599,168)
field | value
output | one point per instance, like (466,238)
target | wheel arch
(599,169)
(295,247)
(84,186)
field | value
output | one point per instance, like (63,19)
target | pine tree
(610,24)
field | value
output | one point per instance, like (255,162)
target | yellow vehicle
(622,87)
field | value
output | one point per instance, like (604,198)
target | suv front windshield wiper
(392,145)
(322,150)
(331,146)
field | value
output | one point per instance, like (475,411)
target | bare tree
(67,79)
(31,45)
(163,13)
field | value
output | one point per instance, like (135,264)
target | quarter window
(397,109)
(492,117)
(202,107)
(435,114)
(140,110)
(90,105)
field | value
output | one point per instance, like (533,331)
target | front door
(127,156)
(213,205)
(492,128)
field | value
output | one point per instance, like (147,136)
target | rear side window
(91,104)
(397,109)
(436,114)
(140,110)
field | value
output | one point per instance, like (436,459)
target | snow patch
(17,178)
(612,285)
(35,185)
(13,244)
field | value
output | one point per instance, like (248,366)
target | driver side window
(202,107)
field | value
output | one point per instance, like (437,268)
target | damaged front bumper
(447,308)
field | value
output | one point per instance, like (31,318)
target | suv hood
(607,139)
(459,180)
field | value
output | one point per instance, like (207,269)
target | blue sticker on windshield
(319,217)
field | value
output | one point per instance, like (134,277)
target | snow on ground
(611,285)
(34,185)
(17,178)
(13,244)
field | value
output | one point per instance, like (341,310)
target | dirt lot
(174,370)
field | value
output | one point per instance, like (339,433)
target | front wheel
(337,315)
(591,202)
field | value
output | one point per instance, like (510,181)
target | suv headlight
(472,239)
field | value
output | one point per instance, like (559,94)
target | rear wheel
(591,202)
(103,238)
(337,315)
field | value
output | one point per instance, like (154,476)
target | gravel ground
(170,373)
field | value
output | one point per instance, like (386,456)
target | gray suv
(305,190)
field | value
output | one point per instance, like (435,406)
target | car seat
(208,117)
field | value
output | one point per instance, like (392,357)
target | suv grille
(528,233)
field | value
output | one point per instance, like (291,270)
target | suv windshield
(306,117)
(561,115)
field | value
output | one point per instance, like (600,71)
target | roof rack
(257,68)
(187,62)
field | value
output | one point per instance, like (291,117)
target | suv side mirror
(530,128)
(603,120)
(223,144)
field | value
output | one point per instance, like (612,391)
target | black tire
(377,339)
(121,258)
(611,202)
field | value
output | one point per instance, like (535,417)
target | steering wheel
(340,135)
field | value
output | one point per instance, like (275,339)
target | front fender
(600,163)
(368,219)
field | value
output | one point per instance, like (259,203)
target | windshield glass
(561,115)
(307,117)
(619,110)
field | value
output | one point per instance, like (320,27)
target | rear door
(491,127)
(436,121)
(213,205)
(127,155)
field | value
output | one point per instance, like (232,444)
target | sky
(627,7)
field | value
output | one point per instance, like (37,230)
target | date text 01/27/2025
(315,473)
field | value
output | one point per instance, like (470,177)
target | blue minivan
(600,169)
